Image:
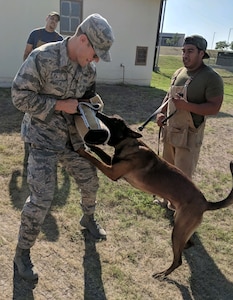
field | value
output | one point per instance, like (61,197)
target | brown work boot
(163,203)
(92,226)
(160,202)
(24,265)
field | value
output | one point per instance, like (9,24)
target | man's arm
(26,92)
(210,107)
(162,115)
(31,41)
(27,51)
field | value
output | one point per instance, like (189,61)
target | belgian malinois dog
(134,161)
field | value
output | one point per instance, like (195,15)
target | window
(71,15)
(141,56)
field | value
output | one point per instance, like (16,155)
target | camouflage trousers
(41,177)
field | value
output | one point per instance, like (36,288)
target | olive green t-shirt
(205,84)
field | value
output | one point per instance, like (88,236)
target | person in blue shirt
(43,35)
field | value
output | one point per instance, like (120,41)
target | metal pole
(228,39)
(213,40)
(156,67)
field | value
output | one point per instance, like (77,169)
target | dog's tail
(227,201)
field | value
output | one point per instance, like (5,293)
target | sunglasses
(95,56)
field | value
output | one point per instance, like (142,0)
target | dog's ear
(134,134)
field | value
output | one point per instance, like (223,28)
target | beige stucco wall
(134,24)
(17,19)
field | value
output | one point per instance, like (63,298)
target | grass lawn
(73,266)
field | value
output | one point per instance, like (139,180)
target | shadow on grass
(93,284)
(221,115)
(19,193)
(201,266)
(133,103)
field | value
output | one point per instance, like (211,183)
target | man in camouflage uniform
(47,88)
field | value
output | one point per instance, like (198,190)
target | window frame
(70,17)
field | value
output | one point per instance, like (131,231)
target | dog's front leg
(106,169)
(114,172)
(102,155)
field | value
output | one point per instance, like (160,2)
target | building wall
(134,24)
(225,58)
(17,19)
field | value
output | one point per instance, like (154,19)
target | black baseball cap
(199,42)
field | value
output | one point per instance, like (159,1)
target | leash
(157,111)
(160,128)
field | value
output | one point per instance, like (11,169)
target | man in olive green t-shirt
(196,91)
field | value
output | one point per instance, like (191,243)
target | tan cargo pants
(182,142)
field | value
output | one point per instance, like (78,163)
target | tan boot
(161,202)
(92,226)
(24,265)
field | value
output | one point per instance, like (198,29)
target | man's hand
(160,118)
(180,102)
(69,106)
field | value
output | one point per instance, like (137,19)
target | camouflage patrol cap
(100,35)
(197,41)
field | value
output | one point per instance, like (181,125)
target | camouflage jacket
(45,76)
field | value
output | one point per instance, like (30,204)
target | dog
(134,161)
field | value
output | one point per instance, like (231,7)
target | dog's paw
(160,276)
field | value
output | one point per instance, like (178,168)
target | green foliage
(231,45)
(167,66)
(173,41)
(221,45)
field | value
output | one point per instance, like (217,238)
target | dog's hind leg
(184,227)
(178,247)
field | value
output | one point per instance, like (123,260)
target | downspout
(123,67)
(158,36)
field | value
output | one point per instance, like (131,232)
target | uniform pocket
(178,137)
(195,136)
